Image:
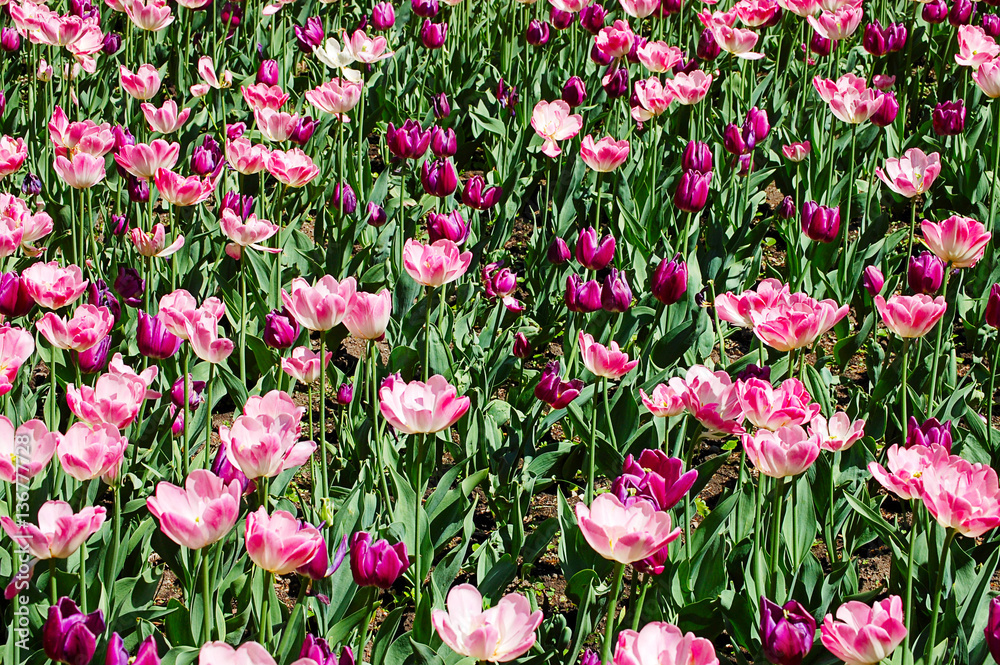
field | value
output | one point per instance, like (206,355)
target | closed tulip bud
(708,49)
(203,161)
(582,296)
(310,35)
(304,129)
(318,650)
(993,629)
(31,185)
(138,190)
(691,194)
(897,37)
(592,254)
(931,432)
(118,225)
(555,392)
(961,12)
(425,8)
(992,307)
(376,215)
(3,102)
(876,39)
(537,33)
(439,177)
(432,35)
(935,11)
(281,329)
(820,45)
(558,253)
(111,44)
(451,226)
(383,16)
(948,118)
(235,130)
(153,338)
(787,632)
(10,41)
(786,209)
(268,72)
(440,106)
(14,297)
(601,58)
(130,286)
(616,296)
(925,273)
(633,54)
(669,281)
(345,393)
(444,143)
(410,141)
(477,196)
(757,124)
(521,349)
(820,223)
(377,563)
(194,391)
(350,199)
(231,15)
(559,19)
(873,280)
(592,18)
(886,113)
(69,636)
(697,157)
(616,83)
(574,92)
(991,25)
(732,140)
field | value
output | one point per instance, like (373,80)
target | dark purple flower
(444,143)
(948,118)
(786,209)
(752,371)
(154,340)
(317,649)
(873,280)
(410,141)
(616,296)
(669,282)
(935,11)
(521,348)
(559,19)
(440,106)
(592,254)
(320,566)
(787,632)
(992,306)
(537,33)
(268,72)
(14,298)
(582,296)
(194,390)
(350,199)
(708,49)
(94,359)
(280,329)
(383,16)
(112,42)
(574,92)
(117,655)
(432,35)
(303,131)
(820,223)
(930,432)
(961,12)
(439,177)
(615,83)
(697,157)
(592,18)
(100,295)
(655,477)
(991,25)
(69,636)
(377,563)
(31,185)
(310,35)
(555,392)
(130,286)
(477,196)
(138,190)
(451,226)
(345,393)
(558,252)
(223,468)
(993,629)
(925,273)
(886,113)
(376,215)
(691,194)
(10,41)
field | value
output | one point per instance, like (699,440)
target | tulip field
(552,332)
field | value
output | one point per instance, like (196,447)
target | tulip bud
(948,118)
(752,371)
(669,281)
(310,35)
(786,209)
(69,636)
(345,393)
(268,72)
(993,629)
(732,140)
(574,92)
(961,12)
(154,340)
(875,39)
(432,35)
(786,632)
(883,82)
(439,177)
(537,33)
(616,296)
(241,205)
(350,199)
(592,18)
(886,113)
(383,16)
(582,296)
(476,197)
(925,273)
(592,254)
(440,105)
(10,40)
(559,19)
(444,143)
(521,347)
(424,8)
(932,431)
(112,43)
(935,11)
(558,253)
(991,25)
(820,45)
(194,390)
(555,392)
(820,223)
(992,306)
(451,226)
(616,83)
(638,42)
(757,124)
(873,280)
(138,190)
(376,215)
(590,657)
(280,329)
(31,185)
(697,157)
(100,295)
(223,468)
(708,49)
(377,563)
(14,297)
(897,37)
(203,161)
(129,286)
(303,131)
(410,141)
(691,194)
(507,96)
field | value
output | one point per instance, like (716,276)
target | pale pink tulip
(975,47)
(436,264)
(421,408)
(849,98)
(199,514)
(605,155)
(245,157)
(639,8)
(60,531)
(279,543)
(114,399)
(911,316)
(52,286)
(796,152)
(773,408)
(756,13)
(13,152)
(962,496)
(143,160)
(554,122)
(276,125)
(203,334)
(336,97)
(905,467)
(621,533)
(957,240)
(264,441)
(166,119)
(660,643)
(206,70)
(179,307)
(303,364)
(16,346)
(143,84)
(88,326)
(498,635)
(839,24)
(785,452)
(26,451)
(82,171)
(365,49)
(689,89)
(249,232)
(180,191)
(864,635)
(153,245)
(249,653)
(152,15)
(654,98)
(34,228)
(118,367)
(609,362)
(838,433)
(912,174)
(987,77)
(261,95)
(92,451)
(741,309)
(659,57)
(665,401)
(368,314)
(321,306)
(711,398)
(293,168)
(87,136)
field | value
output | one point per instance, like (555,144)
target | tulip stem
(83,575)
(831,533)
(913,225)
(206,596)
(265,610)
(186,459)
(989,402)
(53,592)
(287,633)
(850,197)
(53,407)
(909,581)
(932,638)
(597,207)
(243,324)
(779,487)
(427,336)
(607,413)
(208,416)
(905,378)
(591,461)
(322,414)
(376,432)
(996,163)
(937,342)
(609,624)
(723,360)
(637,614)
(418,496)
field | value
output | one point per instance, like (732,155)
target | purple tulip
(477,196)
(521,348)
(697,157)
(507,96)
(451,226)
(992,306)
(961,12)
(320,566)
(669,282)
(886,113)
(94,359)
(559,19)
(350,199)
(439,177)
(410,141)
(194,390)
(310,35)
(31,185)
(70,636)
(555,392)
(599,57)
(925,273)
(280,329)
(235,130)
(241,205)
(592,18)
(991,25)
(787,632)
(786,209)
(154,340)
(590,657)
(537,33)
(223,468)
(820,45)
(377,563)
(592,254)
(948,118)
(303,131)
(736,141)
(10,40)
(708,49)
(691,194)
(582,296)
(992,629)
(317,649)
(820,223)
(117,655)
(376,215)
(935,11)
(897,37)
(752,371)
(873,280)
(268,72)
(558,252)
(616,296)
(616,83)
(757,124)
(383,16)
(345,394)
(14,297)
(100,295)
(138,190)
(876,39)
(440,106)
(574,92)
(111,44)
(432,35)
(130,286)
(425,8)
(654,477)
(930,432)
(444,143)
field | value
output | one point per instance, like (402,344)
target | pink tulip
(60,531)
(365,49)
(796,152)
(605,155)
(957,240)
(143,160)
(203,334)
(653,99)
(839,24)
(52,286)
(180,191)
(143,84)
(249,232)
(261,95)
(849,98)
(16,346)
(276,125)
(13,152)
(912,174)
(624,534)
(321,306)
(166,119)
(554,122)
(838,433)
(421,408)
(249,653)
(206,70)
(154,244)
(740,310)
(797,322)
(911,316)
(640,8)
(962,496)
(659,57)
(293,168)
(245,157)
(660,643)
(179,307)
(265,447)
(72,137)
(785,452)
(199,514)
(303,364)
(88,326)
(368,314)
(87,452)
(26,451)
(436,264)
(498,635)
(81,172)
(605,361)
(615,40)
(336,97)
(711,398)
(756,13)
(114,399)
(152,15)
(975,47)
(118,367)
(34,228)
(279,543)
(689,89)
(665,401)
(773,408)
(864,635)
(986,76)
(905,467)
